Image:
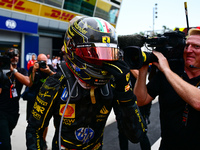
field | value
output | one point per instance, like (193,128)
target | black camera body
(5,59)
(42,64)
(5,63)
(12,54)
(170,44)
(4,67)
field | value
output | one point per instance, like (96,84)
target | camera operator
(179,96)
(9,98)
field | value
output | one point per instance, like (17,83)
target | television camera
(170,44)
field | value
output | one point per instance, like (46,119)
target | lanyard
(12,85)
(186,111)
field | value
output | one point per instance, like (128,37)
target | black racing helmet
(89,41)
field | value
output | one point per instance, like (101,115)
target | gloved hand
(121,72)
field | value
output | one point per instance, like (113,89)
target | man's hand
(35,66)
(46,70)
(162,63)
(121,72)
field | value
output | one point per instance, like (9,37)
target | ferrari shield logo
(105,39)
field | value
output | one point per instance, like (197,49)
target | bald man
(46,71)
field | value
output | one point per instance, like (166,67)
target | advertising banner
(31,47)
(37,9)
(18,25)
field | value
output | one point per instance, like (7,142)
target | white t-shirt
(49,62)
(54,63)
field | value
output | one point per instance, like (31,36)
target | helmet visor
(103,51)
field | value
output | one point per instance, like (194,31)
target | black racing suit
(83,122)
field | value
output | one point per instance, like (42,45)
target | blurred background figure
(54,62)
(48,60)
(31,62)
(58,60)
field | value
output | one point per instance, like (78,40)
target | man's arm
(20,77)
(132,123)
(186,91)
(42,112)
(140,89)
(134,72)
(32,74)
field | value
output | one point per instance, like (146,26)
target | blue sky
(137,15)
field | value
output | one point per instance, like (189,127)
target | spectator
(49,60)
(179,96)
(62,52)
(58,60)
(31,62)
(54,62)
(11,85)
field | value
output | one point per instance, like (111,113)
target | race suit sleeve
(132,122)
(42,112)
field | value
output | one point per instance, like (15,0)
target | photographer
(39,72)
(11,85)
(179,96)
(80,96)
(37,75)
